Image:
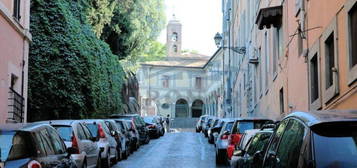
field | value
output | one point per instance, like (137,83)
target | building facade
(300,55)
(184,85)
(14,47)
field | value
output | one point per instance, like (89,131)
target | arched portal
(181,108)
(197,108)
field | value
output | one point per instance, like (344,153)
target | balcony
(16,107)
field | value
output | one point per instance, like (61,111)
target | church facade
(183,85)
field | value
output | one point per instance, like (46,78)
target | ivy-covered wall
(72,73)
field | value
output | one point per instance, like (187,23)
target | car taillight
(151,126)
(34,164)
(224,137)
(75,143)
(101,131)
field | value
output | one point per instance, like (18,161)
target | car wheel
(99,161)
(84,164)
(106,161)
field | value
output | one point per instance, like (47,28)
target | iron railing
(16,106)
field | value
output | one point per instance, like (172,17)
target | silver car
(106,141)
(221,143)
(78,136)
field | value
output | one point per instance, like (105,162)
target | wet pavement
(173,150)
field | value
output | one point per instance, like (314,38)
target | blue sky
(201,20)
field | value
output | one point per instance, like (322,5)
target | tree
(72,73)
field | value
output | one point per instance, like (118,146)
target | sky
(201,20)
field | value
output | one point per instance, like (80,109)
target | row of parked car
(76,143)
(319,139)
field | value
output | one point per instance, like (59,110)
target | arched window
(175,48)
(174,36)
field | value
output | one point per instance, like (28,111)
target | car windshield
(228,127)
(14,145)
(93,128)
(247,125)
(149,120)
(64,131)
(336,146)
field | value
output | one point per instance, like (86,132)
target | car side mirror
(226,133)
(238,153)
(113,133)
(93,139)
(71,151)
(257,156)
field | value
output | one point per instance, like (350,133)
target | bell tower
(174,38)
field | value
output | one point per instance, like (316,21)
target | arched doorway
(197,108)
(181,108)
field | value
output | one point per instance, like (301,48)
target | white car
(77,135)
(106,141)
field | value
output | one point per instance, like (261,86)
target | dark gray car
(33,145)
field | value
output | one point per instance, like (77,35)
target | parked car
(238,129)
(250,154)
(153,126)
(139,124)
(77,135)
(200,123)
(106,142)
(221,143)
(160,121)
(207,125)
(215,127)
(134,132)
(130,138)
(123,144)
(33,145)
(313,140)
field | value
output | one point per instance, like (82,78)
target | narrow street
(174,150)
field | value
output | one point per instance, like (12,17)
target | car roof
(253,119)
(59,122)
(23,126)
(326,116)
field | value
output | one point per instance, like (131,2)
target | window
(290,145)
(300,44)
(351,8)
(174,37)
(80,133)
(64,131)
(86,131)
(314,77)
(330,55)
(175,48)
(16,9)
(13,81)
(353,25)
(329,60)
(260,69)
(278,133)
(281,98)
(266,42)
(56,142)
(46,142)
(165,81)
(198,83)
(299,4)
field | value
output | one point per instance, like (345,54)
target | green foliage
(127,26)
(72,73)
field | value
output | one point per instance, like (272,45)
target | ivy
(72,73)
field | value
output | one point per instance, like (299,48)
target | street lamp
(218,40)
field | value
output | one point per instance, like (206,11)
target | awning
(269,16)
